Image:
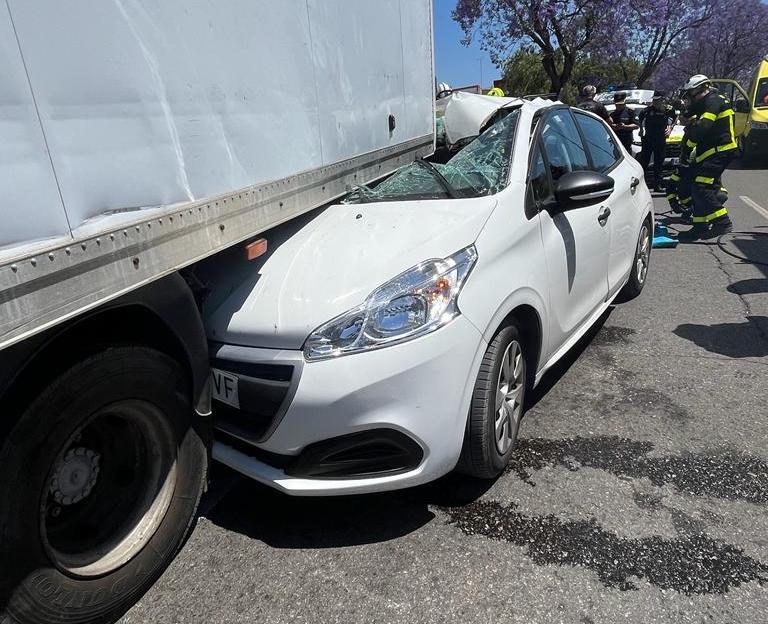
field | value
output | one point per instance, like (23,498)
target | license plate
(225,388)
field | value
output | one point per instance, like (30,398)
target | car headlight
(758,125)
(416,302)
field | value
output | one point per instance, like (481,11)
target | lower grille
(372,453)
(263,390)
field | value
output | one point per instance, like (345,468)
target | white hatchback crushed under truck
(392,338)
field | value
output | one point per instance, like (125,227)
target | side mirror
(582,188)
(741,106)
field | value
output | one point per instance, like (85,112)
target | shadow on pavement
(735,340)
(752,248)
(752,286)
(283,521)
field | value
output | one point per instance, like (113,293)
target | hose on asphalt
(721,245)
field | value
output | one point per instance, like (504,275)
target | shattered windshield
(478,169)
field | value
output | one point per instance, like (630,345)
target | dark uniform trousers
(679,183)
(679,187)
(709,196)
(653,145)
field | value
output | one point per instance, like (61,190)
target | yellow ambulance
(751,108)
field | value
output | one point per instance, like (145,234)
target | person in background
(588,103)
(656,123)
(623,120)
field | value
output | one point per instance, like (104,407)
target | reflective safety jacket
(686,144)
(712,132)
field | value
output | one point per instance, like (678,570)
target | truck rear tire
(100,480)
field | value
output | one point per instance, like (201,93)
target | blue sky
(454,63)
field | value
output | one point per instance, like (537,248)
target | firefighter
(679,183)
(588,103)
(713,145)
(656,123)
(623,120)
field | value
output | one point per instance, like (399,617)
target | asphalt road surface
(639,491)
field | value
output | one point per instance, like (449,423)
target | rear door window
(603,149)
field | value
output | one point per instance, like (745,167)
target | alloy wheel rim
(509,396)
(643,254)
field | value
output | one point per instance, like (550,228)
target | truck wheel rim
(109,489)
(509,396)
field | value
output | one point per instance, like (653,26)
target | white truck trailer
(138,137)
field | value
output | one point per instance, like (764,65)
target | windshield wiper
(439,176)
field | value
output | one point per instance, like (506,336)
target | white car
(393,337)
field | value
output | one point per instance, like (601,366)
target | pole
(481,75)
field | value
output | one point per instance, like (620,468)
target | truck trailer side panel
(26,176)
(179,127)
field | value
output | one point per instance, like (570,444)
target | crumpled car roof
(465,113)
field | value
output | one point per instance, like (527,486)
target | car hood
(315,271)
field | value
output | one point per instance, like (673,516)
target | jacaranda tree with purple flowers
(730,45)
(655,28)
(640,33)
(561,30)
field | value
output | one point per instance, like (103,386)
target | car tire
(497,406)
(640,265)
(103,475)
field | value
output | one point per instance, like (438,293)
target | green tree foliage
(524,74)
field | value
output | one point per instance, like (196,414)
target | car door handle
(634,184)
(602,218)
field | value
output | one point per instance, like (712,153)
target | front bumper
(419,388)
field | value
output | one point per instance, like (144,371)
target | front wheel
(102,476)
(497,406)
(640,264)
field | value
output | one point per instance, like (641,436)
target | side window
(739,102)
(605,153)
(562,144)
(539,186)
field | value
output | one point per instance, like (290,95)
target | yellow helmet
(496,92)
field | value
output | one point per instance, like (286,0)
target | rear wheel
(640,265)
(112,473)
(497,406)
